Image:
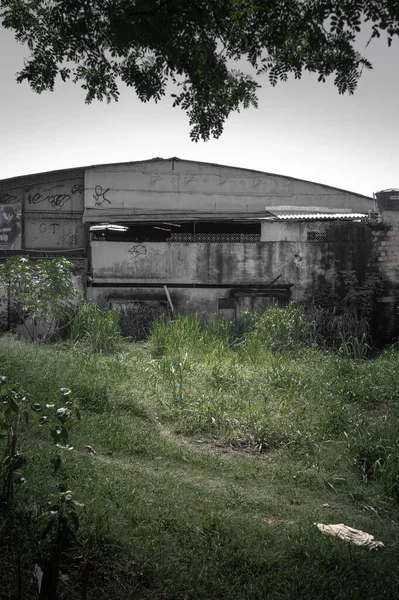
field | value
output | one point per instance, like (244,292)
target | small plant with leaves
(57,418)
(354,347)
(13,403)
(60,520)
(41,293)
(59,524)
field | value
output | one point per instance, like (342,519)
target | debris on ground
(350,535)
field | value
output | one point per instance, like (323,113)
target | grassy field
(204,457)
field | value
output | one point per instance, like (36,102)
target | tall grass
(254,381)
(330,328)
(275,329)
(204,459)
(98,326)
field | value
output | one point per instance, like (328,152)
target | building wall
(292,260)
(297,264)
(52,209)
(187,300)
(177,188)
(384,259)
(173,189)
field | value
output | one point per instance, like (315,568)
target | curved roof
(176,158)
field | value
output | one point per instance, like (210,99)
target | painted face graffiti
(10,227)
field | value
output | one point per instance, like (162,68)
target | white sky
(303,129)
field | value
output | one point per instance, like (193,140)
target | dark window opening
(202,231)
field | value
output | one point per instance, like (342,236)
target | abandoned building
(198,237)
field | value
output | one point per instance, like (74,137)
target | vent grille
(317,236)
(216,238)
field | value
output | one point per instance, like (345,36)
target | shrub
(41,293)
(330,328)
(137,318)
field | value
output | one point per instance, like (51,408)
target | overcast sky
(303,129)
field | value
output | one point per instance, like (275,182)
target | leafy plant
(57,419)
(360,298)
(353,347)
(61,520)
(280,328)
(41,293)
(342,319)
(177,369)
(12,403)
(59,523)
(192,45)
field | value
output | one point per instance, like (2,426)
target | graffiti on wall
(6,198)
(100,196)
(63,234)
(55,200)
(10,225)
(137,250)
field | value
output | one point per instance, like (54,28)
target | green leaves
(62,518)
(40,290)
(58,420)
(147,44)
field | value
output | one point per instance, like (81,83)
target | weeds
(375,451)
(354,347)
(205,458)
(97,326)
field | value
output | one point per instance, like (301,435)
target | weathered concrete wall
(52,208)
(191,300)
(345,232)
(300,264)
(160,189)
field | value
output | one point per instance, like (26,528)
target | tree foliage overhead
(193,43)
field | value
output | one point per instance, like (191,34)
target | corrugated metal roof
(317,217)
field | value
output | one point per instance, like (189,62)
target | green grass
(98,326)
(216,450)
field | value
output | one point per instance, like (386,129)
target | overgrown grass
(97,326)
(205,457)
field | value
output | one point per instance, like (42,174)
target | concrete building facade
(197,237)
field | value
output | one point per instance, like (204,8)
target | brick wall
(384,259)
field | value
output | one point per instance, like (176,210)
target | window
(198,232)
